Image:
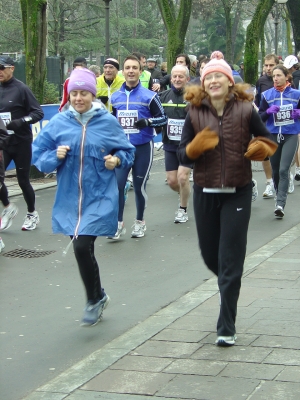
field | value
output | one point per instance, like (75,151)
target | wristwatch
(27,119)
(150,121)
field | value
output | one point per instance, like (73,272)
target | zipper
(75,236)
(222,151)
(80,179)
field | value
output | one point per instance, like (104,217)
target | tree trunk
(35,32)
(253,36)
(227,9)
(176,24)
(294,11)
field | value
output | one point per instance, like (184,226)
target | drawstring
(280,137)
(65,251)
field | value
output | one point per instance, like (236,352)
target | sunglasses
(2,67)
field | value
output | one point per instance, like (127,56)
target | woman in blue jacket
(84,144)
(280,109)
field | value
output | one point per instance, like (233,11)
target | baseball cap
(6,60)
(151,59)
(290,61)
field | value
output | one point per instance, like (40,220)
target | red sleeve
(65,96)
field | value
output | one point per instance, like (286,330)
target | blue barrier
(49,111)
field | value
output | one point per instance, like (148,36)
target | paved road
(42,298)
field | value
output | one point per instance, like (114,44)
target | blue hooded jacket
(87,198)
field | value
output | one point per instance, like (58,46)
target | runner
(280,109)
(138,110)
(175,109)
(216,135)
(85,144)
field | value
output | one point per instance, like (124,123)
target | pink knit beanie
(217,54)
(82,79)
(215,65)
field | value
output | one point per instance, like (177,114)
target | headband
(112,62)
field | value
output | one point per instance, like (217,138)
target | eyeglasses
(2,67)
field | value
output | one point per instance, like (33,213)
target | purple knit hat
(82,79)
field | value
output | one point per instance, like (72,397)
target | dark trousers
(88,267)
(281,162)
(21,155)
(140,171)
(222,221)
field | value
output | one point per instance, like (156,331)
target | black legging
(222,224)
(21,155)
(88,267)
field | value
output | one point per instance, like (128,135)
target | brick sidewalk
(171,355)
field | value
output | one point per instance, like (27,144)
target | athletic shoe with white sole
(269,191)
(93,312)
(139,229)
(279,213)
(226,341)
(254,190)
(120,232)
(7,216)
(297,174)
(180,216)
(31,221)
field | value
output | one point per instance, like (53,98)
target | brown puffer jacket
(225,166)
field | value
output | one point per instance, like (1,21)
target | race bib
(174,128)
(6,118)
(283,117)
(127,119)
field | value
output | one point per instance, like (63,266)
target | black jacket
(264,83)
(296,79)
(175,108)
(18,99)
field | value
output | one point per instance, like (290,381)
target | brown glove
(203,141)
(260,148)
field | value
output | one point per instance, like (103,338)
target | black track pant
(21,155)
(88,267)
(222,224)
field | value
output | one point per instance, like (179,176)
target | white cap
(290,61)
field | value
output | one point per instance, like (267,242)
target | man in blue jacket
(139,111)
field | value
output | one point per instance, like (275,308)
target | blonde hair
(194,94)
(163,66)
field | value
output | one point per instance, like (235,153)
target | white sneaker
(279,213)
(31,221)
(2,245)
(139,229)
(291,184)
(226,340)
(191,178)
(120,232)
(269,192)
(180,216)
(254,190)
(297,173)
(7,216)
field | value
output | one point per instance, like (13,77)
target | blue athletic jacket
(148,105)
(274,97)
(87,198)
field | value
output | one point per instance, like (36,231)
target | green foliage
(51,93)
